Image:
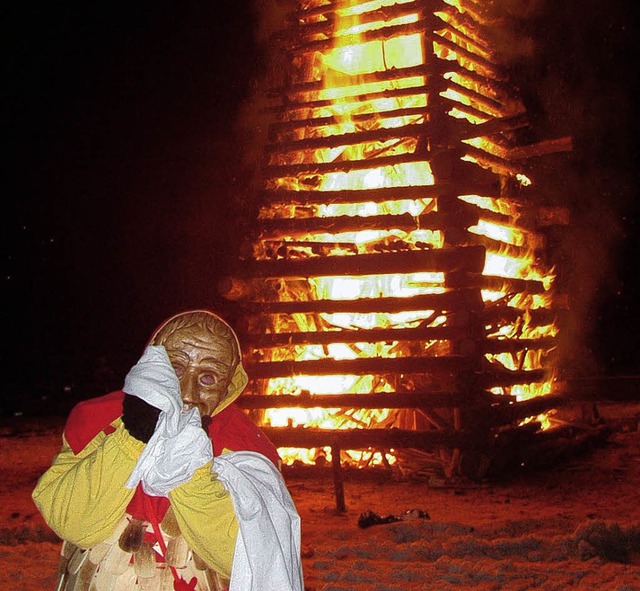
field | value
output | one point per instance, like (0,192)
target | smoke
(254,116)
(507,28)
(252,124)
(573,62)
(272,14)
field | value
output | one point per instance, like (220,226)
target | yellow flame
(348,71)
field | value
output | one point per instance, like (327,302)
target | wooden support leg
(338,483)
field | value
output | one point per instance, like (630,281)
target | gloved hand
(139,417)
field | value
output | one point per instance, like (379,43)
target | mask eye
(208,379)
(178,369)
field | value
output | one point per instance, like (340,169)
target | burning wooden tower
(399,308)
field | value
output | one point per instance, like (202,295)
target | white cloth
(179,445)
(267,552)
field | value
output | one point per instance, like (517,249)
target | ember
(399,308)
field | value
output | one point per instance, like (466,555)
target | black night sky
(126,140)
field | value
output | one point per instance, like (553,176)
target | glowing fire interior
(375,84)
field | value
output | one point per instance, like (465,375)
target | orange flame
(353,100)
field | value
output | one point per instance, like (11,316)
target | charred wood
(426,333)
(513,286)
(410,130)
(495,163)
(356,81)
(470,259)
(273,228)
(563,144)
(360,366)
(516,345)
(423,400)
(497,246)
(465,22)
(366,438)
(503,377)
(289,105)
(493,107)
(460,129)
(459,34)
(364,118)
(451,300)
(440,190)
(482,63)
(537,317)
(328,8)
(383,34)
(503,414)
(305,29)
(311,168)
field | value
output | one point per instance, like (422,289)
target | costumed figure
(167,485)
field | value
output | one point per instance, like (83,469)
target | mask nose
(189,390)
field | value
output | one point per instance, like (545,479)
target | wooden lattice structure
(397,296)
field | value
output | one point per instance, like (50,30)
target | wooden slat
(366,438)
(412,130)
(516,345)
(476,59)
(291,104)
(273,228)
(326,26)
(382,34)
(360,366)
(375,335)
(463,299)
(512,286)
(437,333)
(312,168)
(314,123)
(470,259)
(356,81)
(502,377)
(442,190)
(537,317)
(422,400)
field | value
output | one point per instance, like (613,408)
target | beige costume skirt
(126,561)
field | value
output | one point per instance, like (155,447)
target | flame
(354,100)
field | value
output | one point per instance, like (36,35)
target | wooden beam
(553,146)
(489,378)
(374,335)
(305,26)
(273,228)
(280,170)
(470,259)
(292,104)
(462,299)
(441,190)
(367,438)
(359,366)
(423,400)
(411,130)
(358,80)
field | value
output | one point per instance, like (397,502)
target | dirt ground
(574,525)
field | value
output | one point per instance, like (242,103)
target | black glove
(139,417)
